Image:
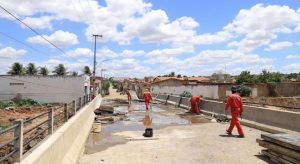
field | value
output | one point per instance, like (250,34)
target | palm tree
(43,71)
(60,70)
(87,70)
(16,69)
(31,69)
(74,73)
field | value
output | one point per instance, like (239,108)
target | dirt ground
(8,116)
(113,94)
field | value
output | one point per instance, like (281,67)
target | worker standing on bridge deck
(195,102)
(147,97)
(235,102)
(128,95)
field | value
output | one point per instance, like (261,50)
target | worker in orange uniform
(194,102)
(147,97)
(128,96)
(235,102)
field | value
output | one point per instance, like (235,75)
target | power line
(23,43)
(32,29)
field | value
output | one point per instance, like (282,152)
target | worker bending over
(195,102)
(235,102)
(147,97)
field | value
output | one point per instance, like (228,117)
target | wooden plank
(282,150)
(291,141)
(276,158)
(284,156)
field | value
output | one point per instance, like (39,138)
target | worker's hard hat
(234,88)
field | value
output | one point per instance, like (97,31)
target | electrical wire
(23,43)
(32,30)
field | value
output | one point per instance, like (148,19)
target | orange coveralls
(194,101)
(236,104)
(147,97)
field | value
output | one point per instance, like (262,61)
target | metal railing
(28,133)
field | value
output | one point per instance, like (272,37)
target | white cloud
(80,52)
(59,38)
(261,24)
(292,56)
(228,57)
(279,46)
(171,51)
(128,67)
(118,21)
(43,22)
(294,67)
(130,53)
(212,38)
(106,53)
(11,53)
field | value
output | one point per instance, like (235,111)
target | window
(16,83)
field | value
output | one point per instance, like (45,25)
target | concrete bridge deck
(177,139)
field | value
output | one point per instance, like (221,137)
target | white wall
(44,88)
(210,91)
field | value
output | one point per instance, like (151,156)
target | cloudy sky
(153,37)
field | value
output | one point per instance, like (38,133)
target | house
(200,86)
(48,89)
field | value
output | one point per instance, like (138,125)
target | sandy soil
(113,94)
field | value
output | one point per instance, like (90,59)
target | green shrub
(18,103)
(244,91)
(185,94)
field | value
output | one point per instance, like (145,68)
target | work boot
(228,132)
(148,132)
(241,136)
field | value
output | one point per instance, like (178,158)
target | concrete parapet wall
(277,118)
(67,143)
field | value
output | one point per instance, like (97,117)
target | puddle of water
(162,116)
(121,110)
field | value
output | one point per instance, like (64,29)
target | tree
(266,77)
(172,74)
(105,86)
(74,73)
(298,78)
(60,70)
(43,71)
(31,69)
(87,70)
(246,77)
(16,69)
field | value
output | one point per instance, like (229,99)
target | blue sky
(154,37)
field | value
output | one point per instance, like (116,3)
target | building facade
(54,89)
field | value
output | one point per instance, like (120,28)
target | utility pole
(94,70)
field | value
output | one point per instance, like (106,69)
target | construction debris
(96,127)
(281,148)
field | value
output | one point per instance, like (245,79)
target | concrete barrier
(67,143)
(277,118)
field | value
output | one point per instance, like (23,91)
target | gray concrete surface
(176,141)
(263,115)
